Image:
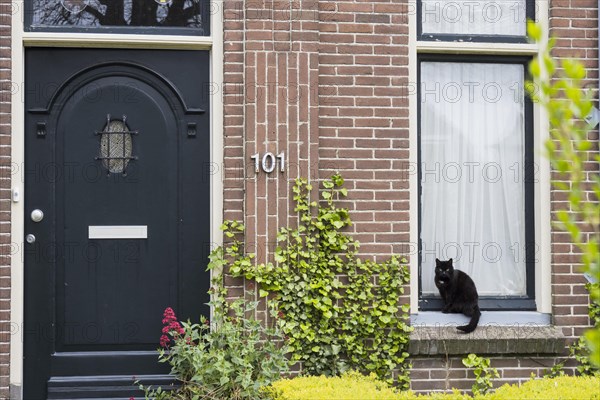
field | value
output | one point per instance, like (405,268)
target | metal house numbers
(269,162)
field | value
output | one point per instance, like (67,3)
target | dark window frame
(445,37)
(134,30)
(520,303)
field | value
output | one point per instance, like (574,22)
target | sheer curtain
(472,162)
(468,17)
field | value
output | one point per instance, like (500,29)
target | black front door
(116,159)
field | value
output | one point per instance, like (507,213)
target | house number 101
(269,162)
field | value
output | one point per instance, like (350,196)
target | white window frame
(541,188)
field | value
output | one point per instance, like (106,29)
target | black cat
(458,292)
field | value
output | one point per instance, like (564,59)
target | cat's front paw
(446,310)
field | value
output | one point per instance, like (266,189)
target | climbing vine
(483,372)
(337,311)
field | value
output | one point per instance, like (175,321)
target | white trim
(17,214)
(542,191)
(413,123)
(477,48)
(20,40)
(216,121)
(543,274)
(117,40)
(489,318)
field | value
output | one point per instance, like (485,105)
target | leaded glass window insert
(135,16)
(116,145)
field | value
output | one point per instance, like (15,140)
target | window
(476,169)
(476,21)
(188,17)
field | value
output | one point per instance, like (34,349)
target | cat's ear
(450,261)
(437,261)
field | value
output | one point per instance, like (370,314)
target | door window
(189,17)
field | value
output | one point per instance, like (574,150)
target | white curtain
(472,166)
(468,17)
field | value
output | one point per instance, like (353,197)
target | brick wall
(575,25)
(5,173)
(323,81)
(443,374)
(271,105)
(233,124)
(326,82)
(363,116)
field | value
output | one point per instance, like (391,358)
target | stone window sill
(497,334)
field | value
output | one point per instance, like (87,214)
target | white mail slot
(118,231)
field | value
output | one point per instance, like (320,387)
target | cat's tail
(470,327)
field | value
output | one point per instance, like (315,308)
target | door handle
(37,215)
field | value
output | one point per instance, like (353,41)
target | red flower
(171,326)
(169,316)
(164,341)
(174,328)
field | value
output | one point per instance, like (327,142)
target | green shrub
(354,386)
(560,388)
(349,386)
(229,358)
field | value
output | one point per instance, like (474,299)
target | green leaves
(562,93)
(483,373)
(334,314)
(534,31)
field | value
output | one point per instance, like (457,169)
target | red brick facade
(355,56)
(327,83)
(575,25)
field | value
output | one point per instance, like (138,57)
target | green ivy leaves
(338,311)
(483,373)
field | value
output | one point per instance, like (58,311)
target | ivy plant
(483,373)
(560,90)
(338,312)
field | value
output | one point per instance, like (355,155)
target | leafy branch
(570,150)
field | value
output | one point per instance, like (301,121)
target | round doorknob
(30,238)
(37,215)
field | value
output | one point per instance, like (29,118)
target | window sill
(524,333)
(520,49)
